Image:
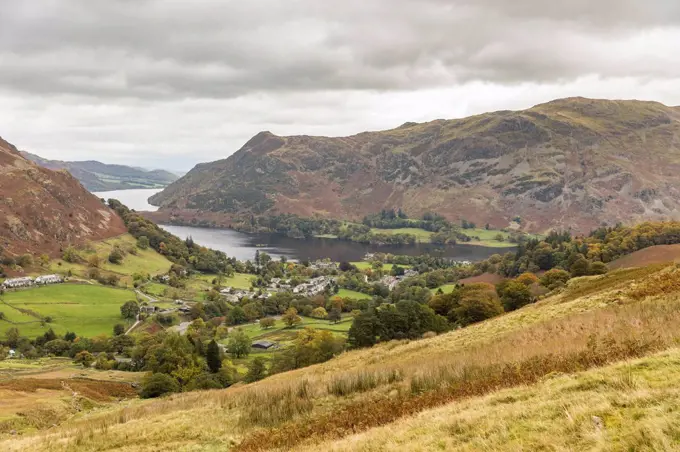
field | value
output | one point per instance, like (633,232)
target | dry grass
(630,406)
(626,332)
(355,391)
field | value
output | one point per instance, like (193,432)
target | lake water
(136,199)
(243,246)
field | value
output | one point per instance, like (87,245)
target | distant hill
(571,163)
(42,211)
(97,176)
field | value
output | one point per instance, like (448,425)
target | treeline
(582,256)
(391,219)
(182,252)
(413,311)
(363,234)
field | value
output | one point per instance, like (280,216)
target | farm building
(18,282)
(49,279)
(264,345)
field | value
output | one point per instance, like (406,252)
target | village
(310,288)
(28,281)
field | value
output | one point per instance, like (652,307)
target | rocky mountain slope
(571,163)
(43,210)
(97,176)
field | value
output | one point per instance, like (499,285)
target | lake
(243,246)
(136,199)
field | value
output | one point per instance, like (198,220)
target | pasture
(422,236)
(346,293)
(88,310)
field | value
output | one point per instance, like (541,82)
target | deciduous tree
(290,318)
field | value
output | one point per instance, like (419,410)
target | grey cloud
(213,49)
(173,83)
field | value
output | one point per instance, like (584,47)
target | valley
(249,327)
(96,176)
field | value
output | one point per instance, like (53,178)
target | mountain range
(572,163)
(42,211)
(97,176)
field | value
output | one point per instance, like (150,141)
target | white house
(49,279)
(18,282)
(12,354)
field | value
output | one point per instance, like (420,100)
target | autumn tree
(267,322)
(84,358)
(290,317)
(552,279)
(514,295)
(319,313)
(527,279)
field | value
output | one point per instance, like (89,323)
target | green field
(88,310)
(422,235)
(238,281)
(363,265)
(488,238)
(345,293)
(145,261)
(284,336)
(447,288)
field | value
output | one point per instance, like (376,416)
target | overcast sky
(172,83)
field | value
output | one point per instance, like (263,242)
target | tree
(364,330)
(290,317)
(12,337)
(514,295)
(143,242)
(319,313)
(213,357)
(44,260)
(239,344)
(236,316)
(267,322)
(598,268)
(116,256)
(335,315)
(25,260)
(130,310)
(94,261)
(527,279)
(158,384)
(476,307)
(580,267)
(256,370)
(118,329)
(70,255)
(552,279)
(346,266)
(70,336)
(397,271)
(57,347)
(84,358)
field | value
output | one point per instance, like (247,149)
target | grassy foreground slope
(531,379)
